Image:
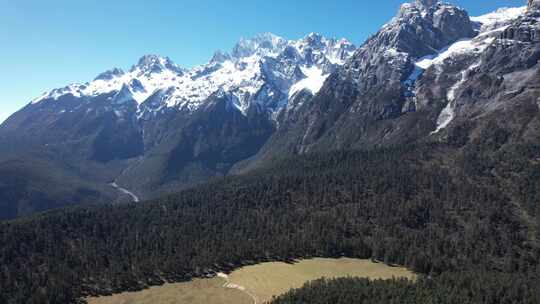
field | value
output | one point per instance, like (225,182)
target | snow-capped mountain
(375,85)
(432,74)
(413,80)
(469,50)
(265,70)
(166,126)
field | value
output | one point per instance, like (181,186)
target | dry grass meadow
(258,282)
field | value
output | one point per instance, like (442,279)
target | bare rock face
(356,104)
(366,103)
(527,30)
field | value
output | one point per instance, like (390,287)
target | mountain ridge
(158,128)
(395,88)
(145,78)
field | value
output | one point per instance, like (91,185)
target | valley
(257,283)
(160,184)
(134,197)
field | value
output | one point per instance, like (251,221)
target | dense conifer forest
(449,288)
(467,222)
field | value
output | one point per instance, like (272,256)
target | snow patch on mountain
(313,82)
(499,18)
(489,27)
(490,24)
(449,112)
(241,76)
(466,46)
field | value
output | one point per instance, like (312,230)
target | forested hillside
(450,288)
(431,207)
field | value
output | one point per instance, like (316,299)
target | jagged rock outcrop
(526,30)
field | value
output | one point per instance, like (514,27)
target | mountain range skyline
(32,77)
(267,97)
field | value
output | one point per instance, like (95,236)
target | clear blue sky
(49,44)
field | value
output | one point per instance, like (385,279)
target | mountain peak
(264,43)
(110,74)
(220,56)
(534,4)
(156,64)
(314,36)
(412,30)
(410,9)
(426,4)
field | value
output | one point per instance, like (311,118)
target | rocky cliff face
(408,84)
(372,100)
(499,91)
